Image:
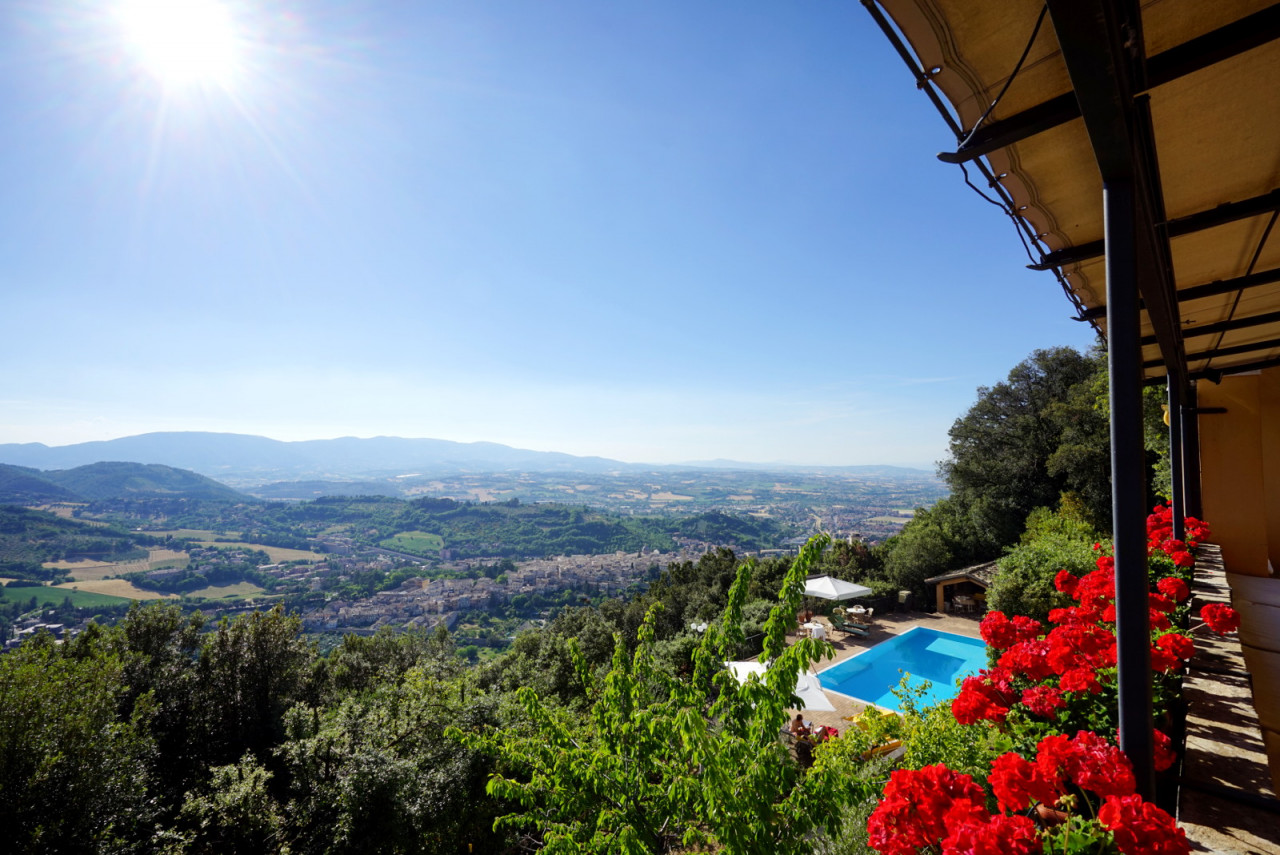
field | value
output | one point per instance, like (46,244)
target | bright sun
(183,42)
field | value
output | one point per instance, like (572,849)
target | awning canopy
(1181,95)
(831,588)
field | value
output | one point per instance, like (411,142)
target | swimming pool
(926,654)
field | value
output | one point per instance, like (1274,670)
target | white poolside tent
(831,588)
(808,689)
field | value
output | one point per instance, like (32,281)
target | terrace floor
(1226,802)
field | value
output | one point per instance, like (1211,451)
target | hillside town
(423,602)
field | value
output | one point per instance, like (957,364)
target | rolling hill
(98,481)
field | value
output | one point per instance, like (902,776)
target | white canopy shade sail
(831,588)
(807,687)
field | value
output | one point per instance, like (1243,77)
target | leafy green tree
(662,763)
(234,812)
(1054,541)
(376,774)
(918,552)
(360,663)
(158,646)
(1000,450)
(72,774)
(1156,440)
(251,670)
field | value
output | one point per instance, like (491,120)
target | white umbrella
(807,688)
(831,588)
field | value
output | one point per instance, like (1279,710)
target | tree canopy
(1001,450)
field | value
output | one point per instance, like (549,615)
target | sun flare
(182,42)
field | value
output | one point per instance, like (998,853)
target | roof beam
(1201,52)
(1216,374)
(1225,213)
(1211,289)
(1223,326)
(1159,289)
(1237,350)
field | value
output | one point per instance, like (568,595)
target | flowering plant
(1063,678)
(1220,618)
(937,809)
(1044,682)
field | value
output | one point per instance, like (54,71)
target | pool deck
(882,627)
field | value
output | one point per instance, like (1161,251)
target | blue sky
(655,231)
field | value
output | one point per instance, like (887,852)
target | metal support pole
(1128,480)
(1191,454)
(1179,497)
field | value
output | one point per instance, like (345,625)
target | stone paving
(1226,803)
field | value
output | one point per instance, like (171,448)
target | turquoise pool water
(941,658)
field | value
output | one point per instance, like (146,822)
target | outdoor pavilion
(1136,149)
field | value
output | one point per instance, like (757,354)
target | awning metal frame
(1198,53)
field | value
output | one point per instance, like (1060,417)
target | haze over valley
(357,534)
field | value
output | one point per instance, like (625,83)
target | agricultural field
(194,533)
(236,591)
(414,542)
(277,554)
(46,595)
(65,510)
(115,588)
(95,571)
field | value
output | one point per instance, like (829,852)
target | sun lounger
(852,628)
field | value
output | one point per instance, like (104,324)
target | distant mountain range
(97,481)
(242,459)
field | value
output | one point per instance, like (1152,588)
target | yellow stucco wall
(1240,468)
(1269,395)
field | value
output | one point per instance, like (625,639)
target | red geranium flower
(913,811)
(1165,756)
(1220,617)
(1141,828)
(1065,582)
(1017,783)
(1080,680)
(1197,530)
(1052,755)
(1177,644)
(1159,620)
(1174,588)
(980,700)
(998,631)
(1044,701)
(1095,764)
(1028,659)
(999,835)
(1081,645)
(1162,661)
(1027,628)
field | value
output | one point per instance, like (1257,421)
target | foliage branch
(662,763)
